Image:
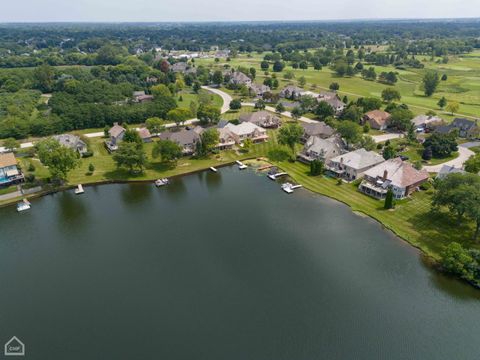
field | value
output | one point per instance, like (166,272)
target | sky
(228,10)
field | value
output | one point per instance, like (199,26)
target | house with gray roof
(116,134)
(186,139)
(447,170)
(72,142)
(333,100)
(422,122)
(261,118)
(320,129)
(317,148)
(352,165)
(239,78)
(179,67)
(291,92)
(258,90)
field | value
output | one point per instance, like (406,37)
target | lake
(221,266)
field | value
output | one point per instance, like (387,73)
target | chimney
(115,124)
(385,174)
(341,160)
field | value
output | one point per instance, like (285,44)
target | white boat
(276,175)
(24,205)
(161,182)
(213,169)
(287,187)
(239,162)
(79,190)
(242,167)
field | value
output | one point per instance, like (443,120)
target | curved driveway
(463,154)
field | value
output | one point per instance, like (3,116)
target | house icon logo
(14,347)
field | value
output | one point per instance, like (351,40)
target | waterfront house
(395,174)
(239,78)
(145,135)
(319,128)
(72,142)
(352,165)
(377,119)
(9,171)
(116,134)
(466,128)
(262,118)
(291,92)
(226,139)
(247,130)
(317,148)
(186,139)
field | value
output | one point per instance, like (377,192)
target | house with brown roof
(333,100)
(394,174)
(262,118)
(145,135)
(319,128)
(377,119)
(141,97)
(9,171)
(116,134)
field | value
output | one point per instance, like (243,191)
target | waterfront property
(264,119)
(377,119)
(352,165)
(116,134)
(320,129)
(186,139)
(394,174)
(247,130)
(9,171)
(317,148)
(72,142)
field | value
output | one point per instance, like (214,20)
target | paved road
(285,113)
(227,99)
(385,137)
(463,154)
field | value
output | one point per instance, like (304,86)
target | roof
(379,116)
(69,140)
(400,173)
(222,124)
(334,102)
(259,117)
(317,128)
(7,159)
(144,133)
(425,119)
(260,88)
(359,159)
(240,77)
(327,147)
(116,130)
(138,93)
(292,89)
(463,123)
(446,169)
(182,137)
(244,128)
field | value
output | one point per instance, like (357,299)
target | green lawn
(8,190)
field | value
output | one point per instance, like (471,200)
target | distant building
(377,119)
(447,170)
(258,90)
(141,97)
(352,165)
(317,148)
(291,92)
(395,174)
(179,67)
(422,122)
(9,171)
(239,78)
(262,118)
(468,129)
(72,142)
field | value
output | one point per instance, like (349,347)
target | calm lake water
(221,266)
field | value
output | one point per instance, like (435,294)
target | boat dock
(79,190)
(289,187)
(213,169)
(24,205)
(241,165)
(277,175)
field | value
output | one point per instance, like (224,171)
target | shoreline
(426,257)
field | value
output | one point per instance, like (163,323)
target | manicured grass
(8,190)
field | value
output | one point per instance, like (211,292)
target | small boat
(213,169)
(287,187)
(79,190)
(275,176)
(24,205)
(242,167)
(161,182)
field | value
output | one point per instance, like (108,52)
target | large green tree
(167,150)
(59,159)
(430,82)
(130,155)
(289,135)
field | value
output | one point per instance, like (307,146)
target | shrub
(87,154)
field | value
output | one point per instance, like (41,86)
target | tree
(44,78)
(401,118)
(442,102)
(444,77)
(369,74)
(132,136)
(427,154)
(167,150)
(196,87)
(323,110)
(278,66)
(430,82)
(130,155)
(296,113)
(302,81)
(289,135)
(316,167)
(178,115)
(59,159)
(161,90)
(217,77)
(235,104)
(369,103)
(280,108)
(472,165)
(208,114)
(473,210)
(458,261)
(264,65)
(260,104)
(352,113)
(390,94)
(442,145)
(11,144)
(193,106)
(389,152)
(350,131)
(334,86)
(208,141)
(367,143)
(154,125)
(453,107)
(389,201)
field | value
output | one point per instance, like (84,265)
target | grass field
(462,85)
